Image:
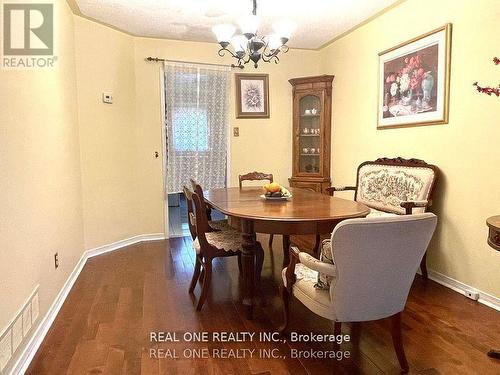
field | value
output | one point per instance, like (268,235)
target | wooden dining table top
(304,205)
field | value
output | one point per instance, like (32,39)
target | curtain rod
(157,59)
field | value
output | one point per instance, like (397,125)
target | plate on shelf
(269,198)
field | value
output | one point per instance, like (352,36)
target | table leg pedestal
(286,250)
(493,353)
(248,261)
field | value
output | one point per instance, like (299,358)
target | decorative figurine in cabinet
(312,112)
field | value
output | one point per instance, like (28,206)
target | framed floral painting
(414,81)
(252,95)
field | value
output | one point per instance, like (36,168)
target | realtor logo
(28,30)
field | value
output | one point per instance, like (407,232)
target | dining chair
(367,275)
(257,176)
(394,186)
(210,244)
(214,224)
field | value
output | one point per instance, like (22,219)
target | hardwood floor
(120,297)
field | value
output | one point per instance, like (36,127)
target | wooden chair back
(193,183)
(198,189)
(190,209)
(201,220)
(255,176)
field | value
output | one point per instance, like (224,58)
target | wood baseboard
(25,357)
(306,243)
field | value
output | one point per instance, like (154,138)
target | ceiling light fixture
(248,46)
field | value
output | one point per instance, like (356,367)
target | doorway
(196,103)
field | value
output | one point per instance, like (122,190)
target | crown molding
(76,11)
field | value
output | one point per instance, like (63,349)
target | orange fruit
(274,187)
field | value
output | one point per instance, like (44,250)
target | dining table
(304,213)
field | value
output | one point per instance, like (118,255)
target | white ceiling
(318,21)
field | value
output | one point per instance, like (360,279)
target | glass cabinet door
(309,134)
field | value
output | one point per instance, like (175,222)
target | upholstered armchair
(364,275)
(394,187)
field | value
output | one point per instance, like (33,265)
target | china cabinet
(312,110)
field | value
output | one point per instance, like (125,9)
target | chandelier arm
(263,56)
(272,57)
(247,60)
(222,53)
(266,53)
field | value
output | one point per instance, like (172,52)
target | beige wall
(264,144)
(40,185)
(47,125)
(122,181)
(466,150)
(108,134)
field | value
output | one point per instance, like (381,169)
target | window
(190,129)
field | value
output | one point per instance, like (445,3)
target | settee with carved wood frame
(394,186)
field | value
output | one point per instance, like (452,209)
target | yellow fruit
(266,187)
(274,187)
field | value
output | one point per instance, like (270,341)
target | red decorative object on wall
(489,90)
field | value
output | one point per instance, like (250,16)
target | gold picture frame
(414,81)
(252,95)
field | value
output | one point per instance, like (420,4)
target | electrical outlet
(26,319)
(56,260)
(5,349)
(472,294)
(236,131)
(17,333)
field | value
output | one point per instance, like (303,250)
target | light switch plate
(26,319)
(35,308)
(5,349)
(236,131)
(17,333)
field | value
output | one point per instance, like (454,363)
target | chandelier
(249,46)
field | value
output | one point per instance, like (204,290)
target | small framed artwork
(414,81)
(252,95)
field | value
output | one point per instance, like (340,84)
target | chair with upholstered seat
(215,224)
(372,266)
(257,176)
(210,244)
(391,187)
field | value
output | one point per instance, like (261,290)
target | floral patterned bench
(395,186)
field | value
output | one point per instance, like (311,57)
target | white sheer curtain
(197,121)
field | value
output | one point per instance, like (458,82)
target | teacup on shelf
(305,130)
(314,111)
(307,112)
(305,150)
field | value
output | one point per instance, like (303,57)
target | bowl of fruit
(276,192)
